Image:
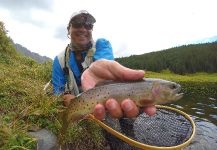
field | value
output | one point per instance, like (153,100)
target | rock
(46,139)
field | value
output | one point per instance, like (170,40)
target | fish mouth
(179,95)
(177,91)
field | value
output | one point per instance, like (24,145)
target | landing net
(169,128)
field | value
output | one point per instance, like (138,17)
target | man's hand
(103,70)
(67,99)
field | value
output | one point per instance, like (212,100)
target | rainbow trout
(145,92)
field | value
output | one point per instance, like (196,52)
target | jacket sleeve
(58,78)
(103,50)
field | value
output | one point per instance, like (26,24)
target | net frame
(146,146)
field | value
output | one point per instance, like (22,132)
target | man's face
(80,36)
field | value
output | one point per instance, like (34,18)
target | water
(203,111)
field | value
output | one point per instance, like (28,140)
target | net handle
(145,146)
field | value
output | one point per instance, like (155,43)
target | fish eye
(173,86)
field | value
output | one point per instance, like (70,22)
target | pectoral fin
(146,102)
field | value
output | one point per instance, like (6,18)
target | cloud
(26,4)
(149,26)
(121,49)
(22,10)
(61,33)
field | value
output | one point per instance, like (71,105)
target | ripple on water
(199,109)
(205,137)
(213,116)
(199,113)
(212,99)
(177,106)
(211,105)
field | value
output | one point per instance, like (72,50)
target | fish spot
(146,102)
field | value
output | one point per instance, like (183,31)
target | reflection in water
(204,113)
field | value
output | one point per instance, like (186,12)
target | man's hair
(81,17)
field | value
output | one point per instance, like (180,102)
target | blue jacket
(103,51)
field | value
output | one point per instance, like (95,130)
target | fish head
(164,91)
(160,92)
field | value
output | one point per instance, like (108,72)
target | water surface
(203,110)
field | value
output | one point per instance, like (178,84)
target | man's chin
(82,45)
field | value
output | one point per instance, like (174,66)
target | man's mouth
(81,34)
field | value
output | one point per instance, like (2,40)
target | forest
(181,60)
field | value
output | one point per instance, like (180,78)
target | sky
(132,26)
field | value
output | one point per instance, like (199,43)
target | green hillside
(21,95)
(184,59)
(24,105)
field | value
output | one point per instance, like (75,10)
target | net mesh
(166,128)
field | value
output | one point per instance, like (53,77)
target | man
(79,54)
(85,63)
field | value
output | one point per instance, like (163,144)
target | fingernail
(112,106)
(143,71)
(128,106)
(99,110)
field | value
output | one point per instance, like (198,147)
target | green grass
(197,77)
(21,96)
(24,105)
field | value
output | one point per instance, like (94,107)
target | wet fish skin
(145,92)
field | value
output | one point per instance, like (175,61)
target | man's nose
(82,28)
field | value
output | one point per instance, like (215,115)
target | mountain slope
(21,95)
(28,53)
(24,105)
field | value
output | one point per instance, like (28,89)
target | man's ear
(68,29)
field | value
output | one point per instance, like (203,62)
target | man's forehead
(83,18)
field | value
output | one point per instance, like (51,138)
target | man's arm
(58,79)
(103,50)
